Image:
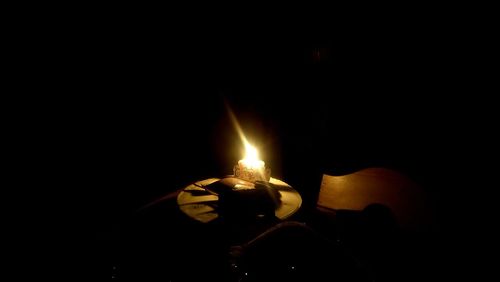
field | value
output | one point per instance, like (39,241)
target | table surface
(201,207)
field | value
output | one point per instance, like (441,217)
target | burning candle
(251,168)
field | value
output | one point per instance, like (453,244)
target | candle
(251,168)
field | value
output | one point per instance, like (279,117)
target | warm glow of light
(251,159)
(251,153)
(236,125)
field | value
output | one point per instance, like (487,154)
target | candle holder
(252,174)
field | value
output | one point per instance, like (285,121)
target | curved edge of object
(356,191)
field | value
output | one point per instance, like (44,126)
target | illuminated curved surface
(200,207)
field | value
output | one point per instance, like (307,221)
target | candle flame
(251,154)
(251,158)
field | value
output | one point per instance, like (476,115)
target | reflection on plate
(203,207)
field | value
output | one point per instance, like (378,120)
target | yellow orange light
(251,159)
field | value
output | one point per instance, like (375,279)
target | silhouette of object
(356,191)
(378,217)
(235,199)
(383,218)
(239,204)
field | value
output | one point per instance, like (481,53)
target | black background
(136,103)
(131,106)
